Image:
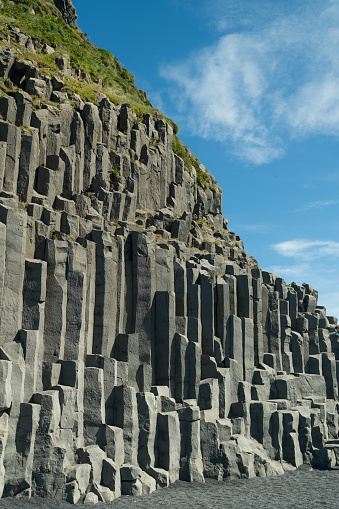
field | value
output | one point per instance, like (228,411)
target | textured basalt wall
(139,343)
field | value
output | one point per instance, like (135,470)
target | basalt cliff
(139,344)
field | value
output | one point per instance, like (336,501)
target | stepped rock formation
(139,344)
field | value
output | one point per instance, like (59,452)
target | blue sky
(254,87)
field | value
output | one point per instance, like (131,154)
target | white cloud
(332,177)
(303,249)
(296,272)
(232,14)
(317,205)
(275,78)
(313,261)
(255,228)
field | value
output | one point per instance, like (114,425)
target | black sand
(301,489)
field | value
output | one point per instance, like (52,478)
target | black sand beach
(302,489)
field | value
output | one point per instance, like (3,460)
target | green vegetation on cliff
(204,178)
(42,21)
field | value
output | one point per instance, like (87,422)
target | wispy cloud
(331,177)
(307,250)
(319,279)
(314,261)
(255,228)
(317,205)
(230,15)
(266,83)
(291,272)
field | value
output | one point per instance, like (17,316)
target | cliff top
(53,24)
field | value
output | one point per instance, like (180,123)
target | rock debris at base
(139,344)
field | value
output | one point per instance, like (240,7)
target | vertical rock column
(93,136)
(166,138)
(33,322)
(67,396)
(244,296)
(90,294)
(207,315)
(12,136)
(3,147)
(2,259)
(257,319)
(29,162)
(26,435)
(274,331)
(78,140)
(6,401)
(313,323)
(261,424)
(168,444)
(121,314)
(68,157)
(193,356)
(48,478)
(11,310)
(234,345)
(126,417)
(72,375)
(164,268)
(76,302)
(109,119)
(127,351)
(180,288)
(13,353)
(222,310)
(105,294)
(147,414)
(194,329)
(143,295)
(94,406)
(56,300)
(293,307)
(191,466)
(291,447)
(164,340)
(34,295)
(248,348)
(329,372)
(286,335)
(181,368)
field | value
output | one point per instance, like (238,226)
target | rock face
(138,342)
(67,10)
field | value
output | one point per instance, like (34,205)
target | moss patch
(204,178)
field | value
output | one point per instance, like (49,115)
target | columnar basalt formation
(139,343)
